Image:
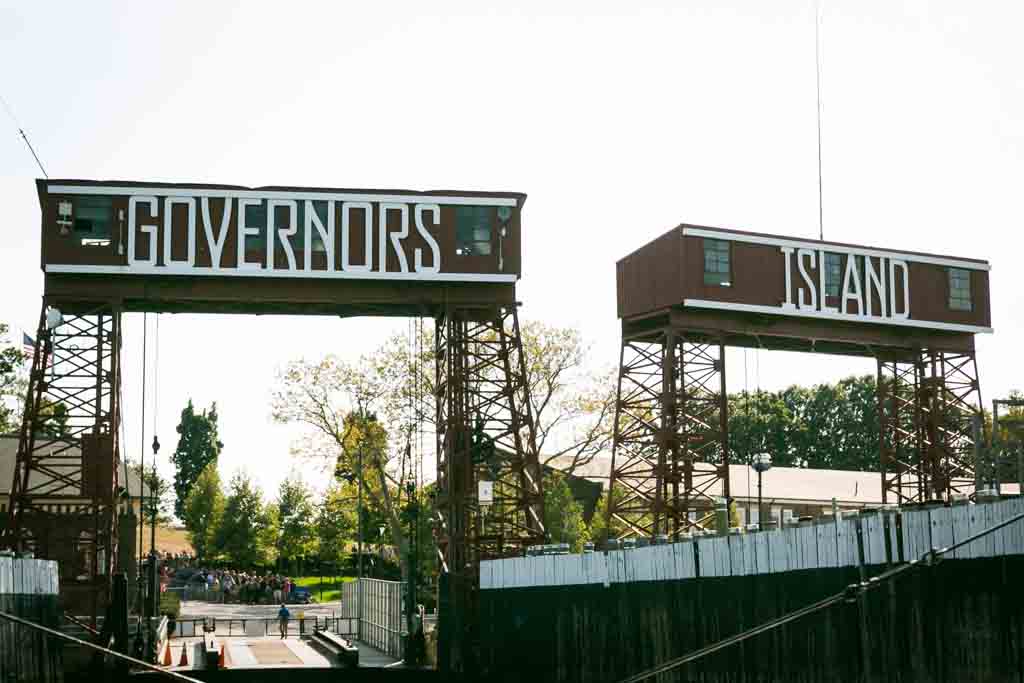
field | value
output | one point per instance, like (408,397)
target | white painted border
(833,248)
(314,195)
(798,313)
(296,274)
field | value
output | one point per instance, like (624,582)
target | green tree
(198,446)
(336,521)
(158,497)
(12,383)
(827,426)
(203,512)
(563,515)
(247,532)
(296,520)
(760,423)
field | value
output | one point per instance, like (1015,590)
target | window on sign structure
(473,230)
(959,289)
(256,217)
(716,262)
(92,220)
(833,274)
(298,240)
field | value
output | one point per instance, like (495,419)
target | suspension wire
(156,376)
(746,396)
(153,500)
(849,594)
(140,520)
(24,136)
(123,443)
(142,453)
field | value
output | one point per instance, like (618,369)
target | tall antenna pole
(21,132)
(817,82)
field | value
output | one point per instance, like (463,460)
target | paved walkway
(256,651)
(271,652)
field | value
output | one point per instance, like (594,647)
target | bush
(170,604)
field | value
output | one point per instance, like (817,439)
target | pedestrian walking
(282,620)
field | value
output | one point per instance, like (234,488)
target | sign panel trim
(188,271)
(312,195)
(848,317)
(833,248)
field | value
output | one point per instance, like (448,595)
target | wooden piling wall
(604,616)
(29,589)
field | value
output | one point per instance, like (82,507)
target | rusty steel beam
(671,450)
(926,407)
(485,432)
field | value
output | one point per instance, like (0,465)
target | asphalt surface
(195,609)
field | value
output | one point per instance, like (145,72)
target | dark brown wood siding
(649,279)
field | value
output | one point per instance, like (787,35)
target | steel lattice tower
(485,432)
(64,496)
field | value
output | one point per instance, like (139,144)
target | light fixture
(761,462)
(53,318)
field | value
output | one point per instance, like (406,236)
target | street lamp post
(153,604)
(761,463)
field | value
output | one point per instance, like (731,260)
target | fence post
(862,604)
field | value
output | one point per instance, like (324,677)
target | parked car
(300,596)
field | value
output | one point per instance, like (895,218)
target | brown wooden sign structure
(688,294)
(112,247)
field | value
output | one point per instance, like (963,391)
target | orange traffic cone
(220,660)
(184,659)
(167,655)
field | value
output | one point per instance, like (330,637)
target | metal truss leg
(671,453)
(899,433)
(63,497)
(485,432)
(951,397)
(926,407)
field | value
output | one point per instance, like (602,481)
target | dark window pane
(716,262)
(473,230)
(959,289)
(256,217)
(93,218)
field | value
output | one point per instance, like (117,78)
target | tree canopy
(12,383)
(203,511)
(563,515)
(297,535)
(198,446)
(826,426)
(247,533)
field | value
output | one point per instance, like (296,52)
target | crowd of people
(245,588)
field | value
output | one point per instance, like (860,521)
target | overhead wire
(142,457)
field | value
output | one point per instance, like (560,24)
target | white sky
(619,120)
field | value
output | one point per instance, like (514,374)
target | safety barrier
(888,536)
(264,626)
(380,616)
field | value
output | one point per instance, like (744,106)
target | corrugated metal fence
(29,589)
(381,624)
(889,537)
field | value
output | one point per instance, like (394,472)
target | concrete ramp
(273,653)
